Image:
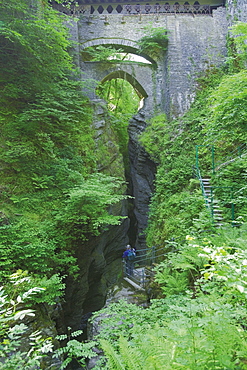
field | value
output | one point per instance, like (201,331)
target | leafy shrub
(12,353)
(206,332)
(156,136)
(154,41)
(228,111)
(51,289)
(103,53)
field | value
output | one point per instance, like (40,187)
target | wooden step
(134,285)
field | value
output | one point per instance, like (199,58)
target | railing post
(212,199)
(142,279)
(153,254)
(197,156)
(232,207)
(213,164)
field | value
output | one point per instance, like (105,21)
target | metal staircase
(212,203)
(209,191)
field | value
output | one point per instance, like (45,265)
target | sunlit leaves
(239,31)
(89,206)
(228,109)
(13,354)
(154,42)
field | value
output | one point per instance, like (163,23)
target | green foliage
(230,187)
(206,332)
(229,111)
(122,99)
(47,151)
(13,354)
(103,53)
(191,334)
(145,352)
(174,216)
(51,289)
(182,344)
(74,350)
(228,266)
(87,208)
(156,136)
(180,270)
(154,42)
(216,118)
(239,31)
(122,102)
(31,45)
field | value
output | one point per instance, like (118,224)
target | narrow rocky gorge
(100,258)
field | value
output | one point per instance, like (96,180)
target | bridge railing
(132,8)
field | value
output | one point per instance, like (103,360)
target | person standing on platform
(129,257)
(125,259)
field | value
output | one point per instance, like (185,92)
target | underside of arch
(126,76)
(128,46)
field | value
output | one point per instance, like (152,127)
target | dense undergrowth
(216,124)
(53,196)
(53,199)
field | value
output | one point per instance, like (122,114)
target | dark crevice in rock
(100,264)
(142,175)
(99,259)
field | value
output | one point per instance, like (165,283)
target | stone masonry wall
(236,10)
(195,44)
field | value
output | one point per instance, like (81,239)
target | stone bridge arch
(127,77)
(127,45)
(140,75)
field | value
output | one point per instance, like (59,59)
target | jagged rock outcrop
(142,174)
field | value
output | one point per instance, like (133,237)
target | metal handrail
(199,177)
(235,154)
(141,277)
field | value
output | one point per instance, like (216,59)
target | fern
(115,361)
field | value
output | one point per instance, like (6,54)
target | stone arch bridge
(196,42)
(140,75)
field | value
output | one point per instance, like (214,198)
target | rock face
(100,258)
(142,174)
(100,266)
